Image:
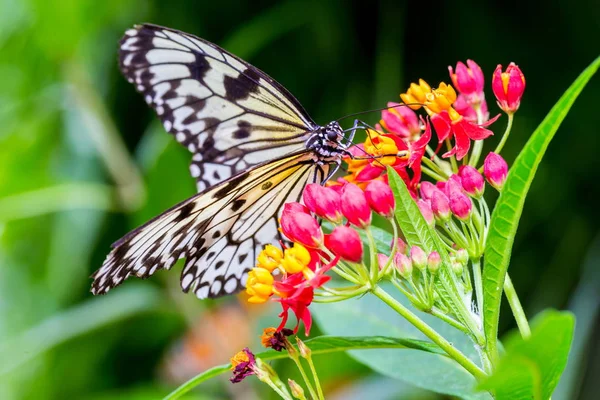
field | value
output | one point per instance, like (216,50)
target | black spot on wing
(241,87)
(199,69)
(230,185)
(241,134)
(237,204)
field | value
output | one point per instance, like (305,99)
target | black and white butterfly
(254,148)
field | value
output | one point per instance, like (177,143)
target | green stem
(478,282)
(517,309)
(452,351)
(432,174)
(435,168)
(505,135)
(315,377)
(374,271)
(277,390)
(449,320)
(453,158)
(478,146)
(296,359)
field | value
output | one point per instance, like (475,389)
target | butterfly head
(328,142)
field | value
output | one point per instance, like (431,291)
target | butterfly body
(254,149)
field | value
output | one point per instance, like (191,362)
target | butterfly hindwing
(229,114)
(219,232)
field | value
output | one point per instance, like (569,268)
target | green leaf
(418,233)
(531,368)
(508,209)
(318,345)
(368,316)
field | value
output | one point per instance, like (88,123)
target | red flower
(323,201)
(295,296)
(508,87)
(400,120)
(462,130)
(345,243)
(355,206)
(299,226)
(380,198)
(468,80)
(460,205)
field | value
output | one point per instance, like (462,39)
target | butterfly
(254,149)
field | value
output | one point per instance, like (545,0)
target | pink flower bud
(355,206)
(418,257)
(299,226)
(495,170)
(427,189)
(468,80)
(380,198)
(433,262)
(323,201)
(461,206)
(400,120)
(403,264)
(425,208)
(472,181)
(453,185)
(401,246)
(382,260)
(440,205)
(457,268)
(508,87)
(345,243)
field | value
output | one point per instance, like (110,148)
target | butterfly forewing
(229,114)
(219,232)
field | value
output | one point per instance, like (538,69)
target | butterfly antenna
(379,109)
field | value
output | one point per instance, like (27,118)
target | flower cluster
(332,233)
(291,276)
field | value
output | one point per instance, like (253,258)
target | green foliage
(531,368)
(508,209)
(368,316)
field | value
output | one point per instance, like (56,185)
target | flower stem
(449,320)
(315,377)
(374,267)
(517,309)
(452,351)
(505,135)
(453,158)
(296,359)
(478,282)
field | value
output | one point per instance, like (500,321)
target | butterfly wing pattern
(229,114)
(254,149)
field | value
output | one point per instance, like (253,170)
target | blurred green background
(83,160)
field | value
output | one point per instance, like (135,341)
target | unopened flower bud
(355,206)
(380,197)
(401,246)
(418,258)
(400,120)
(433,262)
(472,181)
(462,256)
(453,185)
(440,206)
(404,265)
(495,170)
(323,201)
(508,87)
(457,268)
(468,80)
(345,243)
(296,389)
(427,189)
(300,226)
(305,352)
(461,206)
(382,260)
(425,208)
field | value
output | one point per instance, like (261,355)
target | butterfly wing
(229,114)
(220,232)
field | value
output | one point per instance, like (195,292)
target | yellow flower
(441,99)
(270,258)
(295,259)
(416,94)
(382,147)
(259,285)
